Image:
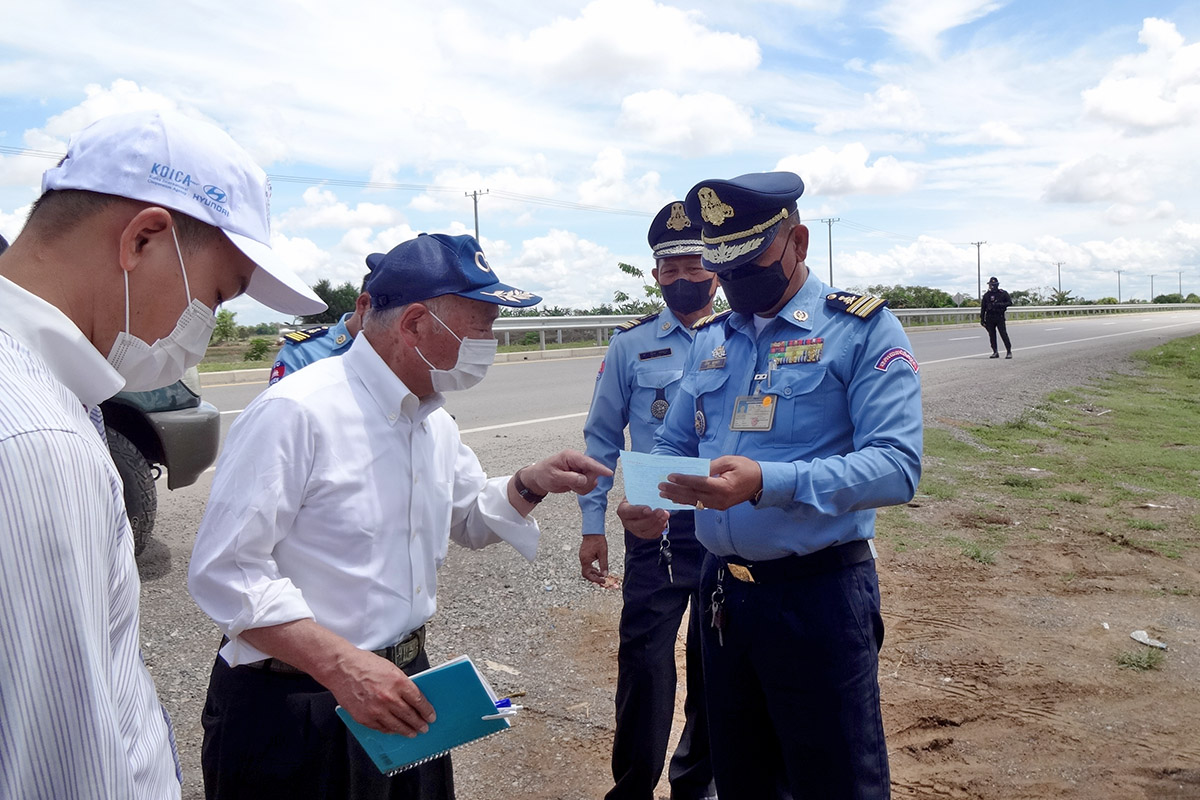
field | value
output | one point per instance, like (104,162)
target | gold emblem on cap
(481,262)
(711,208)
(679,220)
(800,316)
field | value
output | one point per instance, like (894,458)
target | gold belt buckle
(741,572)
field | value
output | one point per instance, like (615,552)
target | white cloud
(566,270)
(638,41)
(687,125)
(1153,90)
(917,24)
(322,209)
(988,133)
(847,172)
(610,187)
(890,107)
(1097,178)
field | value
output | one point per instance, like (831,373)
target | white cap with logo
(173,161)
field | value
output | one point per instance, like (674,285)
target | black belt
(790,568)
(401,654)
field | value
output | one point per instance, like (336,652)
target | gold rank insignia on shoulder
(633,323)
(679,218)
(710,319)
(296,337)
(712,209)
(863,306)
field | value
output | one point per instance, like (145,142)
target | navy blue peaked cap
(740,216)
(674,233)
(434,264)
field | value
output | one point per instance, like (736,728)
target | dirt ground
(999,681)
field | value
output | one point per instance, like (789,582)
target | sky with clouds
(1061,135)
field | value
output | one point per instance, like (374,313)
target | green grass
(1140,660)
(1146,525)
(1074,497)
(975,551)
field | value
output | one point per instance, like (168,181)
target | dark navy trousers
(646,679)
(793,688)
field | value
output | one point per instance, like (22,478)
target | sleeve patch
(277,372)
(894,355)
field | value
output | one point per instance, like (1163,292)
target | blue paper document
(466,710)
(643,473)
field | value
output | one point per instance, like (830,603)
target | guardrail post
(542,339)
(506,339)
(560,335)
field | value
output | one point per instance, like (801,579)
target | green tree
(225,329)
(899,296)
(257,350)
(1062,298)
(1175,297)
(340,300)
(629,305)
(1192,298)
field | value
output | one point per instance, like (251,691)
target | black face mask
(752,289)
(684,297)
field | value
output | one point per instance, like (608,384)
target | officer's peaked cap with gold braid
(740,217)
(674,233)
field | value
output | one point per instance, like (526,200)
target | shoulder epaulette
(710,319)
(863,306)
(633,323)
(296,337)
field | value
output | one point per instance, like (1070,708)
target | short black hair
(60,209)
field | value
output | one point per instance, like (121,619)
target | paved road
(541,391)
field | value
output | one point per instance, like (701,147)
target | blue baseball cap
(673,233)
(740,216)
(434,264)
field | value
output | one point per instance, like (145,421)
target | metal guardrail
(909,317)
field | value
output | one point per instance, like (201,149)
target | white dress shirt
(79,717)
(335,498)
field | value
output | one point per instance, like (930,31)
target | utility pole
(1059,265)
(475,198)
(978,272)
(829,221)
(1151,288)
(1119,286)
(1181,285)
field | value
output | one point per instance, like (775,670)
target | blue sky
(1057,133)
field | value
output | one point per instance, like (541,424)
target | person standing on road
(150,222)
(807,401)
(332,508)
(301,348)
(637,383)
(991,316)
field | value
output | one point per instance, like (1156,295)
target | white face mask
(145,366)
(474,358)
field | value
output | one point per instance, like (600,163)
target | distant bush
(258,350)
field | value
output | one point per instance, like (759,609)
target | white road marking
(522,422)
(965,338)
(1053,329)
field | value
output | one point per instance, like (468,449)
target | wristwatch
(527,494)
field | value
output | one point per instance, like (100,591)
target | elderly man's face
(689,268)
(468,319)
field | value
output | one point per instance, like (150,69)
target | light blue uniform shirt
(335,341)
(643,366)
(847,430)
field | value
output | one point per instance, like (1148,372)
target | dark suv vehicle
(169,427)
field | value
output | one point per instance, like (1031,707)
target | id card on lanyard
(754,412)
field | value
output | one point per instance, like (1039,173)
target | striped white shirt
(79,717)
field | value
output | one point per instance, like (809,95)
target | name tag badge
(712,363)
(753,413)
(649,354)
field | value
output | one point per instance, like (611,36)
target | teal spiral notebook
(460,696)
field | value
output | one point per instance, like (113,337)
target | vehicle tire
(141,498)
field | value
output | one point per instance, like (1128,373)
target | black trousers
(992,327)
(646,680)
(275,735)
(793,687)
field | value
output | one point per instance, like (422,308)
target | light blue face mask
(474,358)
